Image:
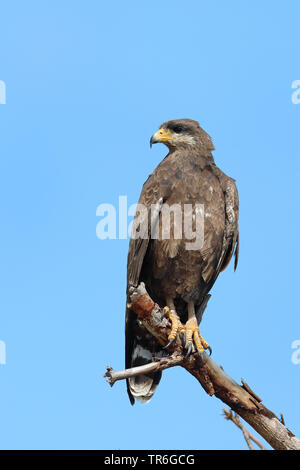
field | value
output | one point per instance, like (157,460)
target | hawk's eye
(178,129)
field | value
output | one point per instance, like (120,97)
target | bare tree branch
(247,435)
(161,364)
(212,378)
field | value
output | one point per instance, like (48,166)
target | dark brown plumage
(187,175)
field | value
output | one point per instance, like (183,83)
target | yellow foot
(176,327)
(189,332)
(192,336)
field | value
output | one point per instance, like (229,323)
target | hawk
(177,274)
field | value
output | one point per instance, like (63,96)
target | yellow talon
(175,323)
(190,332)
(193,336)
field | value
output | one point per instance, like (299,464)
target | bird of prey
(177,277)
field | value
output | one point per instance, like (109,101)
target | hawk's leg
(170,312)
(192,333)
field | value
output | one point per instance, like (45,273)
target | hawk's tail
(143,387)
(141,350)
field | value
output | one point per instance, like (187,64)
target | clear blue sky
(87,85)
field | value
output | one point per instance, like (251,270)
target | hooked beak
(152,141)
(162,135)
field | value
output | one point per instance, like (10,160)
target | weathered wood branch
(160,364)
(247,435)
(240,398)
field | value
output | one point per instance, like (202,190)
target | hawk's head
(182,133)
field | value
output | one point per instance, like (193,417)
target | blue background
(87,85)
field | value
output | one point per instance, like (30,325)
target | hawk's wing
(231,232)
(151,200)
(230,243)
(140,346)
